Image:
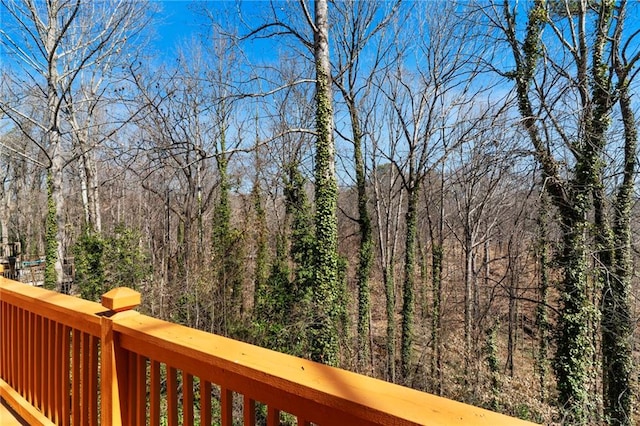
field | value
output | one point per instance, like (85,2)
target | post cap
(121,299)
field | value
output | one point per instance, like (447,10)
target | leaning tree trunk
(573,363)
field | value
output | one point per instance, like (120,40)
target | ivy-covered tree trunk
(54,142)
(323,330)
(365,250)
(388,275)
(262,253)
(469,284)
(437,257)
(542,320)
(51,233)
(574,349)
(302,247)
(436,232)
(617,322)
(226,259)
(408,308)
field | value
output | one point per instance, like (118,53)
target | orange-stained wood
(312,392)
(154,391)
(22,407)
(62,308)
(56,372)
(37,386)
(226,407)
(205,402)
(273,416)
(129,407)
(20,334)
(93,381)
(4,323)
(187,399)
(249,411)
(66,380)
(121,299)
(172,396)
(13,345)
(317,392)
(75,378)
(141,390)
(30,359)
(47,368)
(84,378)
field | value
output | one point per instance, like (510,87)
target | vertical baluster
(47,350)
(37,373)
(154,403)
(76,378)
(19,385)
(65,385)
(57,372)
(130,406)
(93,381)
(3,339)
(28,357)
(6,331)
(187,399)
(5,356)
(85,378)
(205,402)
(226,407)
(23,353)
(12,346)
(172,396)
(249,411)
(141,393)
(273,416)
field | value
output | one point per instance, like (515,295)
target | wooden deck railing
(67,361)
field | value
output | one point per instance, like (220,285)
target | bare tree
(53,43)
(565,102)
(422,99)
(358,26)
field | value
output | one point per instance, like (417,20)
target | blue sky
(177,21)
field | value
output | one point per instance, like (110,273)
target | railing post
(114,366)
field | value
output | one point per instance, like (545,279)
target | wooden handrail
(151,369)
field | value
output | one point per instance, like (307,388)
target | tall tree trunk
(617,322)
(388,238)
(323,330)
(513,318)
(408,307)
(56,171)
(468,297)
(221,239)
(541,311)
(90,175)
(54,144)
(261,274)
(573,363)
(437,255)
(575,349)
(437,260)
(365,250)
